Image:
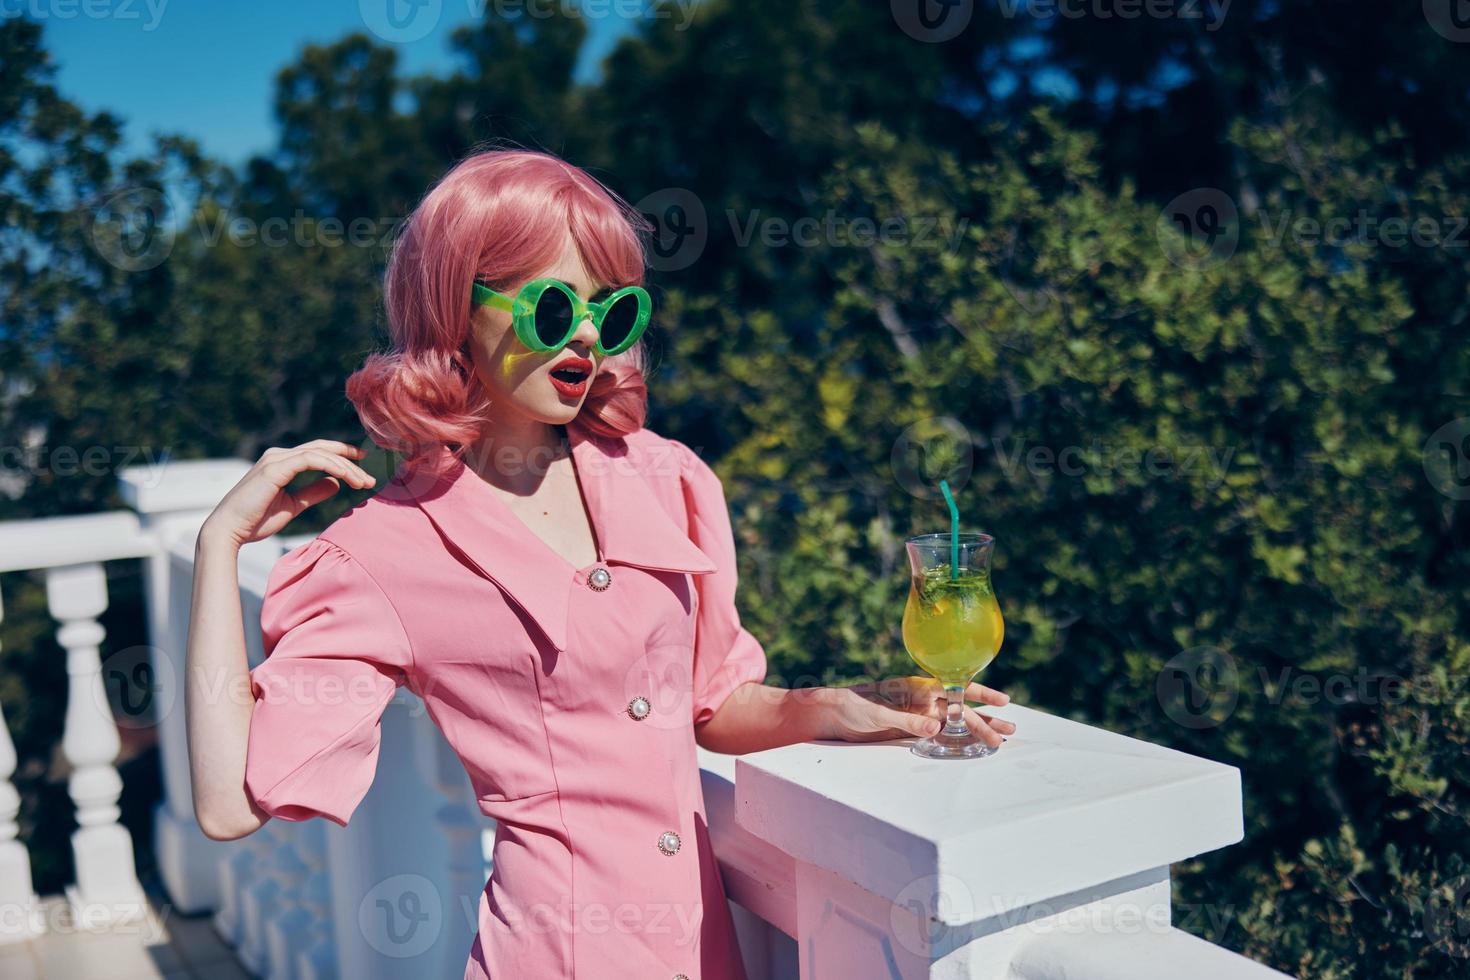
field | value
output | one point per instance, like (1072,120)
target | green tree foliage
(1163,333)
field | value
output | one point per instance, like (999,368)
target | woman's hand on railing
(756,717)
(907,705)
(260,505)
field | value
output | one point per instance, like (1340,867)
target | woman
(556,582)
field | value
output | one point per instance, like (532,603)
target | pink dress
(572,707)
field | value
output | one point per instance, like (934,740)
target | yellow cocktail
(953,629)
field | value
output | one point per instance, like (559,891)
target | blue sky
(206,68)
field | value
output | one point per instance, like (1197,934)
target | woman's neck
(513,454)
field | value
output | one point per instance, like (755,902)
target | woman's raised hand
(259,505)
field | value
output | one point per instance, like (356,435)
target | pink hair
(499,216)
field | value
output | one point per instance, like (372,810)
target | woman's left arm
(734,712)
(755,717)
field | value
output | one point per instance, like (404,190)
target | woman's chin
(554,411)
(539,398)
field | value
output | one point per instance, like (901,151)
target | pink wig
(500,216)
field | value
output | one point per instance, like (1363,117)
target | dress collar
(631,526)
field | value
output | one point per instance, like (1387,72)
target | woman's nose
(586,333)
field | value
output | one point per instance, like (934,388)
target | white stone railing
(1048,860)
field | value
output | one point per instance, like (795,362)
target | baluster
(16,889)
(460,824)
(236,871)
(258,895)
(317,958)
(106,889)
(285,923)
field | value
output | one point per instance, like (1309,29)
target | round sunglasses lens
(619,321)
(553,317)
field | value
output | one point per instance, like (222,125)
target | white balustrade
(17,896)
(881,864)
(106,888)
(1048,860)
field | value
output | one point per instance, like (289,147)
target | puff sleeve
(335,655)
(726,655)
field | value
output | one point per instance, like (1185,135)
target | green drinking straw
(954,530)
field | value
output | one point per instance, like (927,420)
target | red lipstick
(571,375)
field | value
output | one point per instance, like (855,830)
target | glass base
(944,746)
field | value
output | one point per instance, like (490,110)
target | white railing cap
(51,542)
(177,485)
(1062,807)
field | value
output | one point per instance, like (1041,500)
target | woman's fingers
(915,705)
(986,695)
(335,446)
(314,493)
(992,730)
(1002,725)
(285,466)
(911,722)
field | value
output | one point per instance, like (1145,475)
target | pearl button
(600,579)
(668,842)
(638,708)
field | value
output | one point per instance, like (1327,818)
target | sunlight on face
(519,380)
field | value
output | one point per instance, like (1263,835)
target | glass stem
(954,717)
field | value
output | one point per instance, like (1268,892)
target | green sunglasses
(545,314)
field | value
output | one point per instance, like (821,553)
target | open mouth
(571,375)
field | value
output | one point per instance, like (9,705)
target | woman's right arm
(217,697)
